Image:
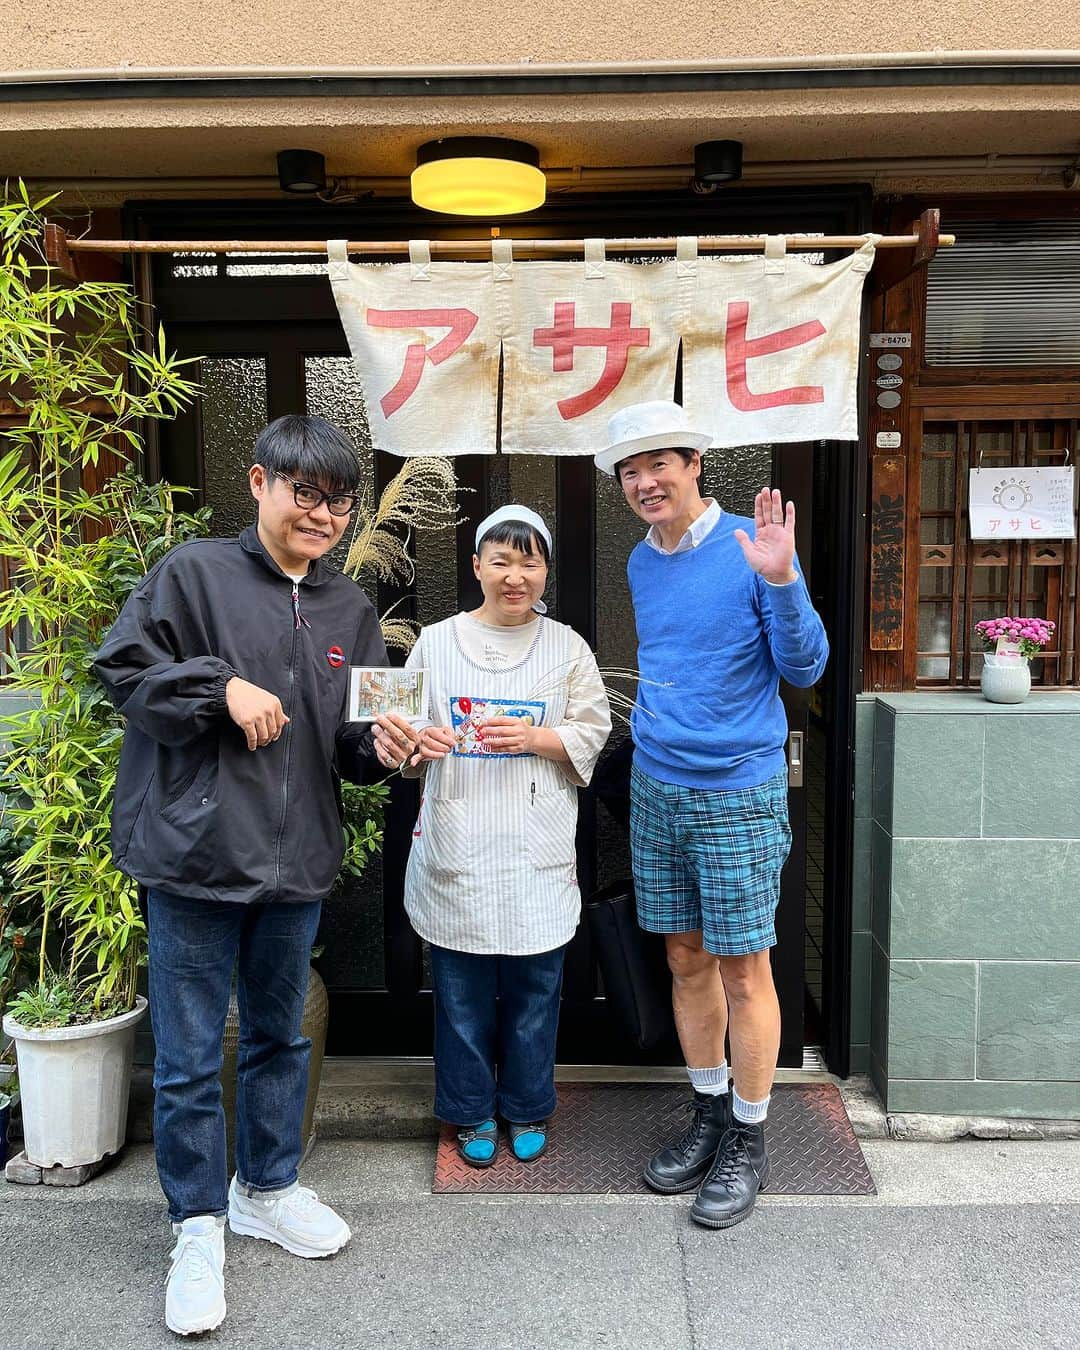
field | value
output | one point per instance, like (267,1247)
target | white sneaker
(195,1284)
(295,1219)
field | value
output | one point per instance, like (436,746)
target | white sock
(750,1113)
(710,1082)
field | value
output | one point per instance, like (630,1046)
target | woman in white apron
(518,715)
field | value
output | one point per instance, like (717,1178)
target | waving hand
(771,552)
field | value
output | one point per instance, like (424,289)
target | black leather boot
(681,1166)
(740,1171)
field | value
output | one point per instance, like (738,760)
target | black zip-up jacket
(196,812)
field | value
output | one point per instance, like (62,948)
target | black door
(271,343)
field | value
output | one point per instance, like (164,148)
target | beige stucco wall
(877,129)
(208,138)
(72,34)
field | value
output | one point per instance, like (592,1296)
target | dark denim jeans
(495,1024)
(194,946)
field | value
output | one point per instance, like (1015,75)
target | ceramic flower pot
(5,1120)
(1005,681)
(74,1084)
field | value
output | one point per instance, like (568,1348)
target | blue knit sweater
(716,639)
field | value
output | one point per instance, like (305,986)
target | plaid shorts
(710,860)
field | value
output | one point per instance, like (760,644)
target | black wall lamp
(301,171)
(716,163)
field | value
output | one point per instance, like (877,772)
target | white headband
(518,513)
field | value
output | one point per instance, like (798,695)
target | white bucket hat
(648,426)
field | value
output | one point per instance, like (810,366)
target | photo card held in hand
(375,690)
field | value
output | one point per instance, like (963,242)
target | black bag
(633,966)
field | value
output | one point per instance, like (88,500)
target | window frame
(1021,560)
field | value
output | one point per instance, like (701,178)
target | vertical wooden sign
(887,489)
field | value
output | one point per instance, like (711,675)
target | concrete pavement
(966,1244)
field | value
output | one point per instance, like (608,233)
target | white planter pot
(74,1084)
(1005,682)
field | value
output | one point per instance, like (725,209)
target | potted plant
(17,941)
(73,541)
(1010,643)
(5,1120)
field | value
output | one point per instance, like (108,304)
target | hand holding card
(507,736)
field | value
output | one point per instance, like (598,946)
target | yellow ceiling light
(478,176)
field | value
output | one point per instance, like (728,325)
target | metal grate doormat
(602,1135)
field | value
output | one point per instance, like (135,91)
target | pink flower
(1028,632)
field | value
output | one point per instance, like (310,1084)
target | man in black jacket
(230,662)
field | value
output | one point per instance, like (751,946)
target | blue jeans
(495,1023)
(194,946)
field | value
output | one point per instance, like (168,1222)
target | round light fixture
(717,162)
(478,176)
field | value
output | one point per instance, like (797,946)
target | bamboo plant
(79,384)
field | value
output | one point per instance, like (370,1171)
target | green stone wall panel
(878,1076)
(865,713)
(881,885)
(932,1019)
(973,1006)
(1015,1100)
(988,898)
(1029,1021)
(11,705)
(860,1059)
(884,735)
(971,703)
(937,776)
(1032,780)
(860,987)
(879,1006)
(861,874)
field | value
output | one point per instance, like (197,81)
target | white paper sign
(1022,503)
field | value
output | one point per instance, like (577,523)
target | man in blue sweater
(722,614)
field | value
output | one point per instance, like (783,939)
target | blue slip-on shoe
(528,1141)
(477,1143)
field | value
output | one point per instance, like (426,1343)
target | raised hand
(771,552)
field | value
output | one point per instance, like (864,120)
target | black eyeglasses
(309,498)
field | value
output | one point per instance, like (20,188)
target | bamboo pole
(474,248)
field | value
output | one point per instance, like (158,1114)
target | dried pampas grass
(400,633)
(422,495)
